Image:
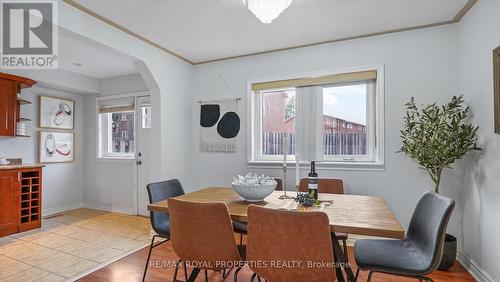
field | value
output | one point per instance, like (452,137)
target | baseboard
(54,211)
(474,269)
(109,208)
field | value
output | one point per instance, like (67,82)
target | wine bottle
(312,181)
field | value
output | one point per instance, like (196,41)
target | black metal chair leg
(185,270)
(176,270)
(224,274)
(206,276)
(149,256)
(193,275)
(370,276)
(357,274)
(241,239)
(236,274)
(344,243)
(253,277)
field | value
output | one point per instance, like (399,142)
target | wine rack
(30,206)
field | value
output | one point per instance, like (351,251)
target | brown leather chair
(325,185)
(282,245)
(202,236)
(329,186)
(241,227)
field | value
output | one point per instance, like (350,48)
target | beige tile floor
(71,244)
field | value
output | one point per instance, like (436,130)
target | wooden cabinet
(20,200)
(8,107)
(10,87)
(9,202)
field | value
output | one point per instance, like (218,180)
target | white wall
(169,80)
(109,184)
(122,84)
(112,184)
(62,182)
(417,63)
(478,35)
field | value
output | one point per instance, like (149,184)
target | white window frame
(258,114)
(127,158)
(375,159)
(145,116)
(109,139)
(371,135)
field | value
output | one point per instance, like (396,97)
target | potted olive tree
(435,137)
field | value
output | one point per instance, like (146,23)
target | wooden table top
(352,214)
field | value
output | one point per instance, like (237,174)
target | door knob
(139,162)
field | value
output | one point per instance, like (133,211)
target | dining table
(351,214)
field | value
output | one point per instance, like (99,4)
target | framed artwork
(56,147)
(496,79)
(56,113)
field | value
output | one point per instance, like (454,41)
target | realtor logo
(29,34)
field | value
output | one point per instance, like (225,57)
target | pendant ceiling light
(267,10)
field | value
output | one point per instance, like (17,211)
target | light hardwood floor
(131,268)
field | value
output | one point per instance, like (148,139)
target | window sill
(117,160)
(351,166)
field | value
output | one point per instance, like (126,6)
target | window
(116,128)
(278,122)
(332,119)
(146,116)
(348,104)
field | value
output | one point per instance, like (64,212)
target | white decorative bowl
(254,193)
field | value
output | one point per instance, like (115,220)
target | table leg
(341,261)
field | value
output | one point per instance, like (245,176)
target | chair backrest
(202,234)
(276,237)
(325,185)
(428,224)
(279,184)
(159,191)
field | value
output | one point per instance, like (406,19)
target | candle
(285,149)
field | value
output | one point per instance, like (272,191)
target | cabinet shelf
(23,102)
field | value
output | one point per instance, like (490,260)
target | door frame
(138,121)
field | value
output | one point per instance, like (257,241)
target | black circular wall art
(229,125)
(209,115)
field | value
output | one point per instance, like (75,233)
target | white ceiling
(96,62)
(205,30)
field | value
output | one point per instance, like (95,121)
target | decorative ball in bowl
(254,188)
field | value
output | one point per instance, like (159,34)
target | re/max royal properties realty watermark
(29,34)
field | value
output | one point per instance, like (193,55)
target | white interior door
(143,152)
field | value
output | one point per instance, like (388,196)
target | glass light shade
(267,10)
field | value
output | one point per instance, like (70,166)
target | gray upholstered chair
(160,222)
(420,253)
